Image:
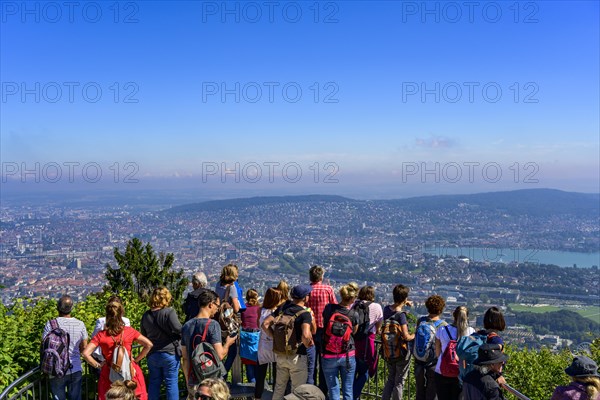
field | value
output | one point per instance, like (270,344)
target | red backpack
(337,334)
(449,365)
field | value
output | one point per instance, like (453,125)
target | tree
(140,270)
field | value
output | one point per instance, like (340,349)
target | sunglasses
(200,396)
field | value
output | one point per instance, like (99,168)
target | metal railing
(33,385)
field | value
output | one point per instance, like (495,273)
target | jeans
(425,381)
(335,367)
(397,370)
(231,355)
(289,368)
(72,384)
(447,388)
(361,377)
(250,373)
(163,367)
(311,354)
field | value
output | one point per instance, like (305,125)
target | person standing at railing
(250,334)
(194,330)
(586,381)
(99,326)
(486,380)
(395,343)
(227,292)
(447,382)
(424,349)
(273,299)
(338,355)
(69,385)
(116,333)
(190,305)
(161,325)
(493,322)
(322,294)
(366,350)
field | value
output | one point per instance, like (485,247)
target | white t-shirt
(77,333)
(442,335)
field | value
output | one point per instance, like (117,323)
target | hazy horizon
(362,99)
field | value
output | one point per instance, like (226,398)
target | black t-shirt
(163,329)
(289,308)
(388,312)
(330,309)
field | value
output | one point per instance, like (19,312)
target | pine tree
(140,270)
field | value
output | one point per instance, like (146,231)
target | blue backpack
(424,349)
(467,348)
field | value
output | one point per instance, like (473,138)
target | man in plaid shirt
(320,296)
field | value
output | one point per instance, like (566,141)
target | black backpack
(364,323)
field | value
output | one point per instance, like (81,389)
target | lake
(560,258)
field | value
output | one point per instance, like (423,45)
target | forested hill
(533,202)
(215,205)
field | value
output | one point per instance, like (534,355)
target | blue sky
(370,62)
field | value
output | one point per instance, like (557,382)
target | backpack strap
(205,330)
(227,292)
(448,332)
(54,324)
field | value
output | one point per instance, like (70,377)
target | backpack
(121,367)
(364,323)
(393,345)
(424,349)
(449,364)
(284,335)
(54,351)
(206,363)
(227,318)
(337,333)
(467,348)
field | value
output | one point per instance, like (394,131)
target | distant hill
(533,202)
(215,205)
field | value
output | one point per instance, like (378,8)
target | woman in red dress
(114,332)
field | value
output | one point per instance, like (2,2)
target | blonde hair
(461,321)
(349,292)
(592,385)
(252,297)
(160,297)
(229,274)
(285,290)
(218,388)
(121,390)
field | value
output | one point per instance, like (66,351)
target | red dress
(107,344)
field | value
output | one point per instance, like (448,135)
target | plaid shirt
(320,296)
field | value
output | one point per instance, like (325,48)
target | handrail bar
(18,381)
(515,392)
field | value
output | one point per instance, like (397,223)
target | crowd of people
(315,346)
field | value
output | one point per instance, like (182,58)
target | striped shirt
(320,296)
(77,333)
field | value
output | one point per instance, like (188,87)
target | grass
(591,312)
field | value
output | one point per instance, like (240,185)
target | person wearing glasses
(192,331)
(212,389)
